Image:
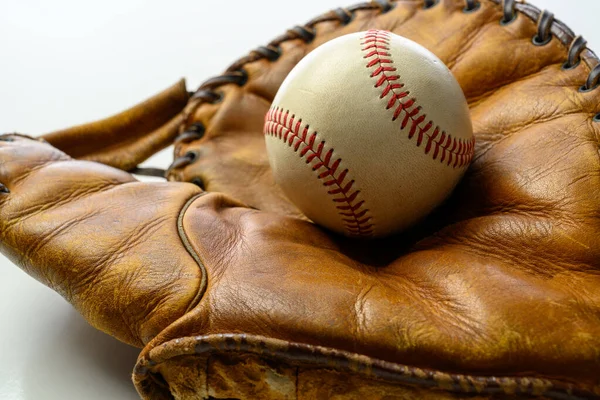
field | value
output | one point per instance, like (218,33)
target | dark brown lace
(509,11)
(208,93)
(472,5)
(237,75)
(543,32)
(593,80)
(573,58)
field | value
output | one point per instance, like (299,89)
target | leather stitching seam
(192,252)
(291,131)
(458,152)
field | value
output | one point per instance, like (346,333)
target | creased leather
(500,285)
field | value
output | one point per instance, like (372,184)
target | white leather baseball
(368,134)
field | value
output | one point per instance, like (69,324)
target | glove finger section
(128,138)
(107,243)
(133,152)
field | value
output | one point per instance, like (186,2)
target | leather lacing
(430,3)
(235,74)
(543,35)
(509,11)
(472,5)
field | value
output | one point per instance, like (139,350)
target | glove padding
(235,295)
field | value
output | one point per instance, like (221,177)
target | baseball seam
(376,47)
(291,131)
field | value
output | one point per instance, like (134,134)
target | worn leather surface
(499,288)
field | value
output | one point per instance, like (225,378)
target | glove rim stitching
(593,80)
(345,15)
(509,12)
(567,66)
(204,90)
(471,6)
(538,42)
(544,24)
(574,53)
(428,4)
(384,5)
(509,6)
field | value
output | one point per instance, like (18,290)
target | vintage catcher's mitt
(233,294)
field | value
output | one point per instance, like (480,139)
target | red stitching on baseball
(458,152)
(291,131)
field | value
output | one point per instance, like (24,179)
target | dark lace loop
(4,189)
(575,50)
(371,5)
(192,133)
(430,3)
(344,15)
(593,80)
(543,35)
(305,33)
(156,172)
(187,137)
(384,5)
(472,5)
(206,93)
(206,96)
(191,155)
(237,75)
(242,76)
(508,9)
(271,53)
(197,127)
(198,182)
(183,161)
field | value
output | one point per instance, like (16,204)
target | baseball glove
(232,293)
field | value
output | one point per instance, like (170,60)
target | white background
(65,62)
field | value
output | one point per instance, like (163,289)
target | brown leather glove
(233,294)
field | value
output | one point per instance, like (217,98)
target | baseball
(368,134)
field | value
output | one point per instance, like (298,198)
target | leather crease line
(192,252)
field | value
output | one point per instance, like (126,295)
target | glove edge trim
(147,376)
(185,240)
